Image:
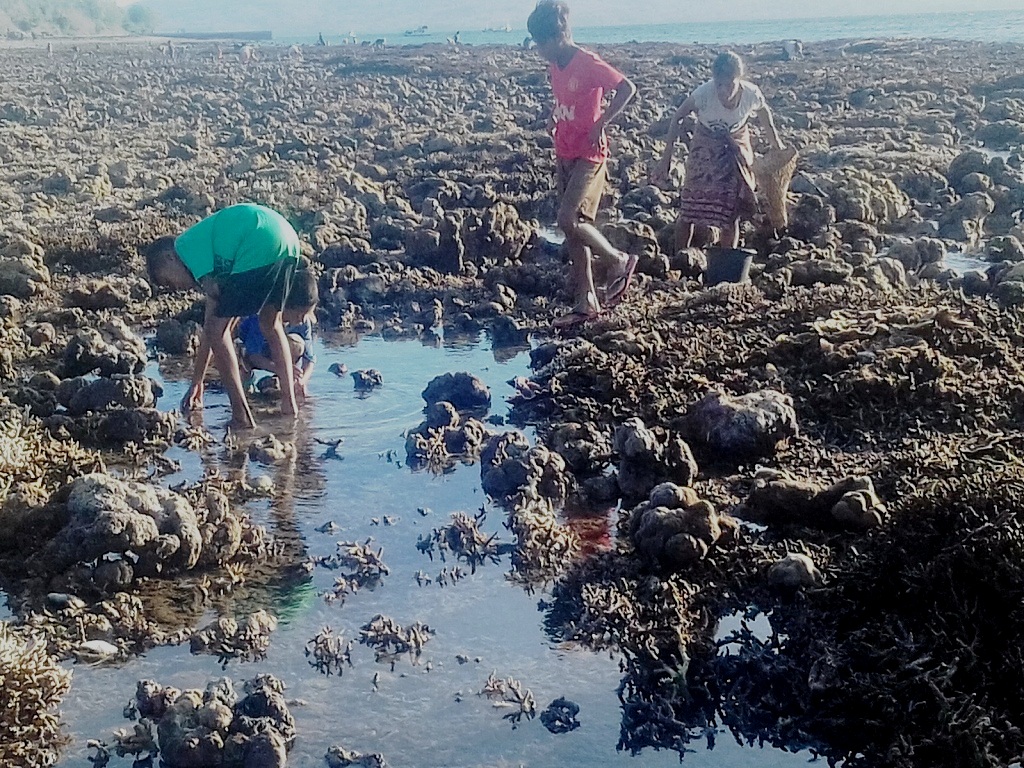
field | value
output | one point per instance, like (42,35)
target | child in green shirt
(243,258)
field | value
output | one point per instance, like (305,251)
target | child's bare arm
(193,399)
(767,123)
(262,363)
(675,128)
(621,96)
(217,333)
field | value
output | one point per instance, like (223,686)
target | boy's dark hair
(159,254)
(549,21)
(303,293)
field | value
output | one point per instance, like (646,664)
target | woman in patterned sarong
(718,190)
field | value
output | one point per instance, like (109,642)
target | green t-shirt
(237,239)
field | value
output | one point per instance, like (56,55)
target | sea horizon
(995,26)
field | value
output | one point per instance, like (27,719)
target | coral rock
(749,426)
(367,379)
(81,395)
(113,349)
(177,338)
(777,497)
(106,516)
(793,572)
(463,390)
(675,528)
(648,457)
(510,467)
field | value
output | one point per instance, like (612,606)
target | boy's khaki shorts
(580,187)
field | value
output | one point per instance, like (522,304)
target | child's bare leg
(261,363)
(683,234)
(297,346)
(731,234)
(277,340)
(583,184)
(610,260)
(581,278)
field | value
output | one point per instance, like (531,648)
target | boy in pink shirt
(579,81)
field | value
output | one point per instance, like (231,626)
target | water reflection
(427,713)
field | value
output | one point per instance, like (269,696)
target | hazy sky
(334,16)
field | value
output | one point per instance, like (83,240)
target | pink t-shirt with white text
(579,90)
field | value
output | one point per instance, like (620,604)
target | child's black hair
(549,21)
(303,293)
(159,254)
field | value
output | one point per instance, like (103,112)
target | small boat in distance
(506,27)
(418,32)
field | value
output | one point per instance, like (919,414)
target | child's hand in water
(193,400)
(301,390)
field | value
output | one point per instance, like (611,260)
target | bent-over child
(242,258)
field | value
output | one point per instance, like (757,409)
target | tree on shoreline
(139,20)
(71,17)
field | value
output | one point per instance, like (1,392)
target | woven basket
(773,173)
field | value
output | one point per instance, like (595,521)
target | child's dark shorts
(246,293)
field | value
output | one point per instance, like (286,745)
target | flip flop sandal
(573,319)
(618,287)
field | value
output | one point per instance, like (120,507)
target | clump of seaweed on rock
(390,640)
(363,566)
(329,653)
(463,538)
(34,684)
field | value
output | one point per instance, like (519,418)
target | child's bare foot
(269,385)
(574,318)
(242,423)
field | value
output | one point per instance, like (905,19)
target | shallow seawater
(962,262)
(991,154)
(420,714)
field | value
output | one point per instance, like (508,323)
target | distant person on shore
(243,258)
(298,317)
(579,81)
(792,50)
(718,190)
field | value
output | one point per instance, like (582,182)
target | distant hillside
(332,17)
(207,16)
(281,16)
(70,17)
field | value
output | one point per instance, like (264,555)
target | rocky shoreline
(836,445)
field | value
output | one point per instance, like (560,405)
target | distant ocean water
(987,26)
